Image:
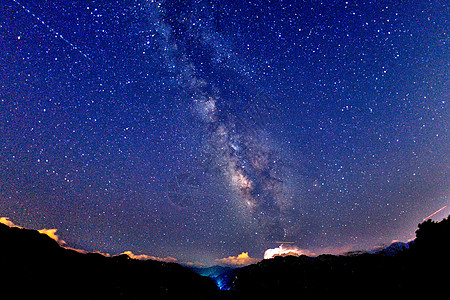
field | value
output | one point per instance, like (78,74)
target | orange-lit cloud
(52,234)
(238,261)
(6,221)
(286,250)
(49,232)
(149,257)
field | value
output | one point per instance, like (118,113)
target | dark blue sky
(203,129)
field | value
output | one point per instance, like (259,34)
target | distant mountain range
(34,266)
(393,249)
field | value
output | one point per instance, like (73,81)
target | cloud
(6,221)
(286,250)
(49,232)
(52,234)
(149,257)
(237,261)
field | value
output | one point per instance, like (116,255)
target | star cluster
(204,129)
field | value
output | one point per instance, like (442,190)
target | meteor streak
(53,31)
(439,210)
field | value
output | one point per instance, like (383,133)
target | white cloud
(285,250)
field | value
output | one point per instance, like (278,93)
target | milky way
(233,113)
(203,130)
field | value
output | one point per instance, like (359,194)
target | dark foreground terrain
(421,266)
(33,266)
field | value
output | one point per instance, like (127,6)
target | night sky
(203,129)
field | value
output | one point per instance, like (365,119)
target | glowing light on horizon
(242,259)
(52,234)
(286,250)
(6,221)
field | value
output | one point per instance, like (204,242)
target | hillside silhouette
(34,266)
(421,266)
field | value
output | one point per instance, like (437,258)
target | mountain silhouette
(420,266)
(34,266)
